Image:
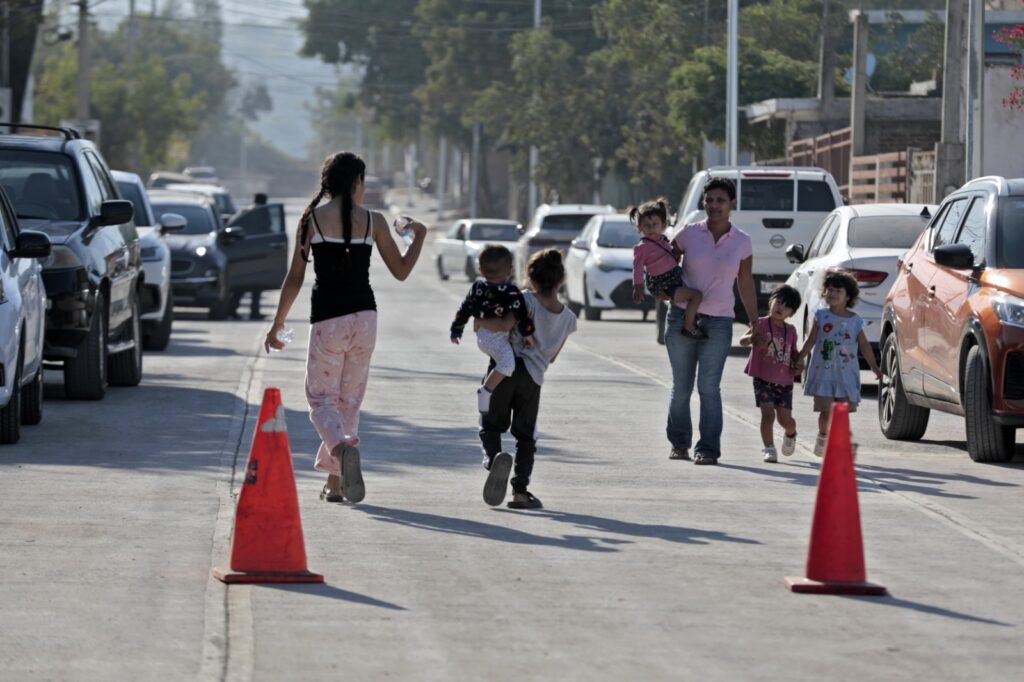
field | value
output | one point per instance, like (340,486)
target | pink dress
(774,362)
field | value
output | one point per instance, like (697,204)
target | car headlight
(200,251)
(150,253)
(1009,310)
(61,257)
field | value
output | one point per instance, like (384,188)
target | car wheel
(160,337)
(223,307)
(898,419)
(589,312)
(470,269)
(85,375)
(32,400)
(987,441)
(10,414)
(126,367)
(440,270)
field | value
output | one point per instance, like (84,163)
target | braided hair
(338,177)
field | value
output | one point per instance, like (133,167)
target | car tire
(10,414)
(160,337)
(223,306)
(32,400)
(85,375)
(440,270)
(897,418)
(470,269)
(987,441)
(125,368)
(589,312)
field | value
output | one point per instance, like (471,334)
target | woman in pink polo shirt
(715,254)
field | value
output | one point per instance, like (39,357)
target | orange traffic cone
(267,544)
(835,559)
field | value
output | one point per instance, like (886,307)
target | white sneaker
(788,444)
(768,455)
(483,400)
(819,445)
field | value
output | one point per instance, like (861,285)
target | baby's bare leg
(692,299)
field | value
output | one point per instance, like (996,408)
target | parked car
(459,248)
(160,179)
(953,323)
(553,225)
(373,193)
(22,314)
(599,267)
(202,174)
(866,240)
(776,206)
(60,185)
(210,262)
(157,306)
(218,196)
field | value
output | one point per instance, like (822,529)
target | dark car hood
(57,230)
(188,242)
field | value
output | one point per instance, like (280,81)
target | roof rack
(69,133)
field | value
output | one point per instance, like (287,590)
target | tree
(918,57)
(1014,37)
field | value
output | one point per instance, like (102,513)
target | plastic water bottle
(285,336)
(401,226)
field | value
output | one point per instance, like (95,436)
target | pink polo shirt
(711,267)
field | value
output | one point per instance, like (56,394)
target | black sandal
(331,497)
(531,502)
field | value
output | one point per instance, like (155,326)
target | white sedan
(461,245)
(599,267)
(866,240)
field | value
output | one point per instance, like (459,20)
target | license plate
(768,287)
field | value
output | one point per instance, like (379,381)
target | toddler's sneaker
(768,455)
(819,444)
(483,400)
(788,444)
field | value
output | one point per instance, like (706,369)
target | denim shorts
(765,392)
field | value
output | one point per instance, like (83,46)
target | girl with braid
(344,313)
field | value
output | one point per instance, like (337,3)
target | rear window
(482,232)
(618,235)
(198,218)
(131,192)
(769,194)
(1010,234)
(566,223)
(895,232)
(224,204)
(814,195)
(40,184)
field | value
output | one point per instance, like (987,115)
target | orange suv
(952,335)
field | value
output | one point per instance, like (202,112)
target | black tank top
(342,276)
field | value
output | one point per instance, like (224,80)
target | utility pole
(5,56)
(442,175)
(826,61)
(532,198)
(949,152)
(975,89)
(474,169)
(860,86)
(732,87)
(82,82)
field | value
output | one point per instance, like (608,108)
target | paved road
(638,568)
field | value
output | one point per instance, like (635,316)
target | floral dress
(834,370)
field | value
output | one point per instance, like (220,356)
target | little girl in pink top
(772,366)
(656,265)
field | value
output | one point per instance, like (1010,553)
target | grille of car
(1013,377)
(180,265)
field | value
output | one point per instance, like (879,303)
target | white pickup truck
(776,206)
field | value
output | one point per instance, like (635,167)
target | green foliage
(919,57)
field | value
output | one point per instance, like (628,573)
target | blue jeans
(705,361)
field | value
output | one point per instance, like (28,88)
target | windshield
(40,184)
(131,192)
(224,204)
(482,232)
(886,232)
(566,223)
(618,235)
(198,218)
(1010,234)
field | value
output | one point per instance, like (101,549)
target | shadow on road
(486,531)
(690,536)
(923,482)
(331,592)
(927,608)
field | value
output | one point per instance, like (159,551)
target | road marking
(1001,545)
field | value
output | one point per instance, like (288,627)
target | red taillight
(869,278)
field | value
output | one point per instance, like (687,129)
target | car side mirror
(31,245)
(580,243)
(172,222)
(232,233)
(115,212)
(956,256)
(795,253)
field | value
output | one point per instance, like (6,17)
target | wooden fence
(879,178)
(921,183)
(830,151)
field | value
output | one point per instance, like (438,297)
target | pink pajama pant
(336,371)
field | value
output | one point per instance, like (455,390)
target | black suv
(60,185)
